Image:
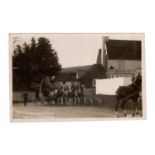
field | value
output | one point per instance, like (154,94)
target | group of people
(59,94)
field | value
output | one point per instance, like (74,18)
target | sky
(73,49)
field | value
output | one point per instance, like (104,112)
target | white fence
(109,86)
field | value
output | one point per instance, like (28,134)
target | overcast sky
(73,49)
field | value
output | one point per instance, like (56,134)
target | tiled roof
(91,71)
(124,49)
(66,76)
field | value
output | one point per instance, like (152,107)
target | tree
(33,61)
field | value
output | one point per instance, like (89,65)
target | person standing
(25,97)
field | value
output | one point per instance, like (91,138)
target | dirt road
(40,112)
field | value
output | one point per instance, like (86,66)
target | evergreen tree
(33,61)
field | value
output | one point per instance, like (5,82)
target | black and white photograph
(77,76)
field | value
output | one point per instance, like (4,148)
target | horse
(128,93)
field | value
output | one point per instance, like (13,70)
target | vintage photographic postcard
(77,76)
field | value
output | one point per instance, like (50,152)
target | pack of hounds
(51,93)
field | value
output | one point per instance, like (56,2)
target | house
(84,74)
(121,58)
(117,58)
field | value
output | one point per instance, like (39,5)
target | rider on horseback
(136,83)
(130,92)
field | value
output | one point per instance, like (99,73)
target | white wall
(109,86)
(18,96)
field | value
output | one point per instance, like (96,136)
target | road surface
(44,112)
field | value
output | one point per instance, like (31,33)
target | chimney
(105,55)
(77,76)
(99,61)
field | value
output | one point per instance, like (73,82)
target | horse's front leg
(135,109)
(123,104)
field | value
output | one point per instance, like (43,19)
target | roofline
(127,59)
(77,66)
(125,40)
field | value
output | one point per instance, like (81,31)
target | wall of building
(109,86)
(123,65)
(17,96)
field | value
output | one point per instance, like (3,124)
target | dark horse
(126,93)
